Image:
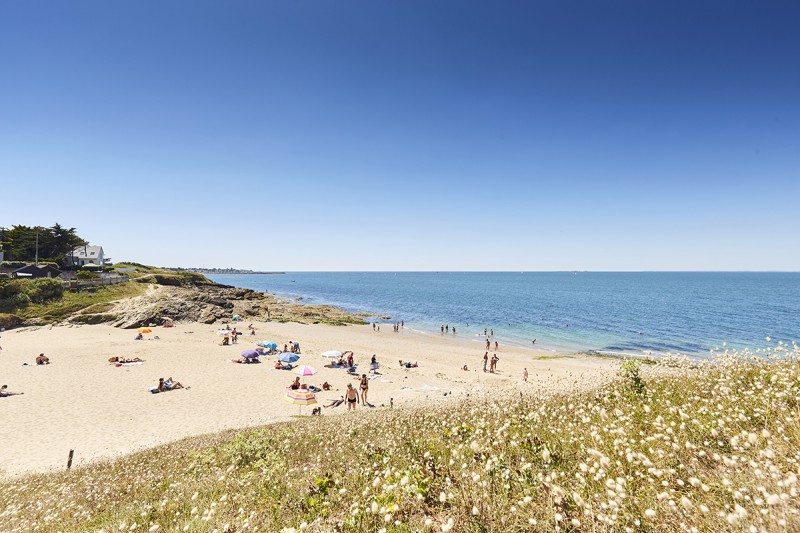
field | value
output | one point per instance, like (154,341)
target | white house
(88,255)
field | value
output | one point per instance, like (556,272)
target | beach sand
(82,402)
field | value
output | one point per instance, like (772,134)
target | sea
(614,313)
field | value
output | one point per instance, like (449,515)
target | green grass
(551,357)
(72,302)
(714,448)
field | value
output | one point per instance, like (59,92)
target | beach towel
(134,363)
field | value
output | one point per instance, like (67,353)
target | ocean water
(625,313)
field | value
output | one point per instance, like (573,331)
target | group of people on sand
(293,347)
(351,395)
(491,363)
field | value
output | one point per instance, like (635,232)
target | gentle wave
(636,313)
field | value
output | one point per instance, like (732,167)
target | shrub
(630,374)
(86,274)
(9,321)
(44,289)
(15,301)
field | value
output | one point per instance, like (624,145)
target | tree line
(26,243)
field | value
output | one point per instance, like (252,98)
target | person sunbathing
(123,360)
(4,392)
(335,403)
(278,365)
(296,384)
(42,360)
(168,384)
(326,386)
(172,384)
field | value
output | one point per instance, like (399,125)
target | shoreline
(83,403)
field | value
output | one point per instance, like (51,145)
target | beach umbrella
(288,357)
(269,344)
(236,317)
(300,397)
(331,354)
(144,330)
(305,370)
(250,354)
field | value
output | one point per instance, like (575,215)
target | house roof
(37,271)
(87,252)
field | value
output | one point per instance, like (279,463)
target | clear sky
(407,135)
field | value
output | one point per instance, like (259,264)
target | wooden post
(69,461)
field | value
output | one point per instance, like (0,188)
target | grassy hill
(714,448)
(66,303)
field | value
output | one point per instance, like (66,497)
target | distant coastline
(221,270)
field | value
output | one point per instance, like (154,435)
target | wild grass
(711,448)
(72,302)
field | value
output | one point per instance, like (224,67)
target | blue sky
(435,135)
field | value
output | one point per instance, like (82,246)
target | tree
(54,244)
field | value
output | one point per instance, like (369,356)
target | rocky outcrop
(209,304)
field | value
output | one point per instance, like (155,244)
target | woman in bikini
(364,388)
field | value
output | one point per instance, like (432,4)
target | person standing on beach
(351,396)
(494,363)
(491,332)
(442,329)
(454,330)
(533,342)
(488,344)
(364,389)
(485,360)
(496,346)
(525,375)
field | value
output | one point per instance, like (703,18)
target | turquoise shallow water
(635,313)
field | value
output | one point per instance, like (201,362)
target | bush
(86,274)
(10,288)
(19,264)
(15,301)
(44,289)
(629,370)
(9,321)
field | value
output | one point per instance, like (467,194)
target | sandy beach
(82,402)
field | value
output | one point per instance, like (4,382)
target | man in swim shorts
(351,396)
